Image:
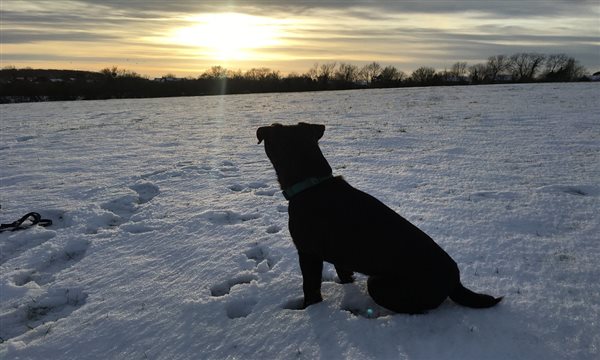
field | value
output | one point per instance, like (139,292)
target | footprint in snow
(269,192)
(47,264)
(273,229)
(42,261)
(262,257)
(19,242)
(262,192)
(240,304)
(155,175)
(182,168)
(227,217)
(236,187)
(240,308)
(577,190)
(145,191)
(238,291)
(224,288)
(493,195)
(38,315)
(260,188)
(228,169)
(25,138)
(125,206)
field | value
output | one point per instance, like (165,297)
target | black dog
(331,221)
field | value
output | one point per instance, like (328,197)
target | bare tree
(554,62)
(322,72)
(215,72)
(274,75)
(459,69)
(347,73)
(370,71)
(423,75)
(477,73)
(114,72)
(313,72)
(496,65)
(575,70)
(110,72)
(390,76)
(258,73)
(524,66)
(234,74)
(560,67)
(326,72)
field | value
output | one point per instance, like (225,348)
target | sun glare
(228,36)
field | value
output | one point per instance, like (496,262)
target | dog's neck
(288,180)
(309,165)
(299,187)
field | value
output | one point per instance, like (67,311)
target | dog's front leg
(312,268)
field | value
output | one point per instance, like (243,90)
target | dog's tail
(465,297)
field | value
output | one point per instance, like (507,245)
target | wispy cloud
(14,36)
(408,34)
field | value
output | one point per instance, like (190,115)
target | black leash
(36,219)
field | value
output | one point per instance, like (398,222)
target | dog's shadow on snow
(504,331)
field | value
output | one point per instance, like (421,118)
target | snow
(170,235)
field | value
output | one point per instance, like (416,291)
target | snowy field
(170,235)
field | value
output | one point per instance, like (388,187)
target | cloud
(371,9)
(31,36)
(403,33)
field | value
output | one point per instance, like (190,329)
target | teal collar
(304,185)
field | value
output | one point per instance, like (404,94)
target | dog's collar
(303,185)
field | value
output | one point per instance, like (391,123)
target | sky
(185,38)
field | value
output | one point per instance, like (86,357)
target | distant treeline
(18,85)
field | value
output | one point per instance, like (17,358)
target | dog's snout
(261,133)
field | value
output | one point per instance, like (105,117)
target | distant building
(167,79)
(504,77)
(457,79)
(595,76)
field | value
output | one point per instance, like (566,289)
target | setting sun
(185,38)
(228,36)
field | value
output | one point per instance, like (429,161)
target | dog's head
(294,151)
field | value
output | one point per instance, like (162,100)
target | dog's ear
(262,133)
(318,130)
(315,130)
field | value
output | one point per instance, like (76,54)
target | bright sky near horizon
(187,37)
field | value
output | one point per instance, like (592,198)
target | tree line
(112,82)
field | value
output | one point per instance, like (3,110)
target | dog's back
(350,227)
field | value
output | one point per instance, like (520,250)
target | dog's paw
(345,276)
(300,303)
(308,302)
